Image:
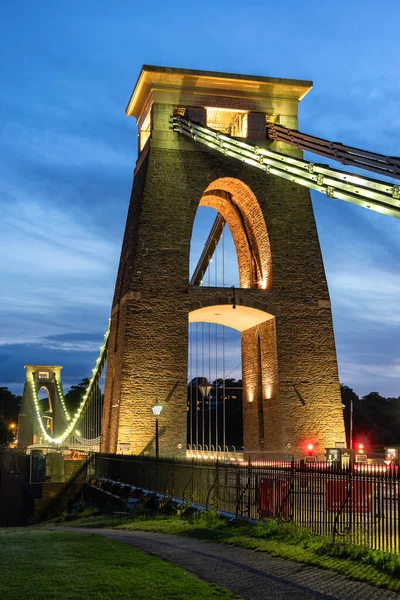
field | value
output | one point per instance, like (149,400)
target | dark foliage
(74,396)
(6,434)
(10,405)
(376,420)
(212,410)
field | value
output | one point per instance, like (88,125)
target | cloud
(370,293)
(358,117)
(209,357)
(68,152)
(360,251)
(76,351)
(360,374)
(55,268)
(62,148)
(76,342)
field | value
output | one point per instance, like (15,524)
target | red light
(310,448)
(360,446)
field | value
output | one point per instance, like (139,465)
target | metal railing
(359,505)
(214,453)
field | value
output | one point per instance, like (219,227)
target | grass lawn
(279,539)
(44,565)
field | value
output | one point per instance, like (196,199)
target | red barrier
(360,499)
(272,494)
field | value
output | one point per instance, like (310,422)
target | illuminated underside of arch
(240,318)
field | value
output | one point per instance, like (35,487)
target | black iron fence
(359,504)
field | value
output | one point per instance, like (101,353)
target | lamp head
(156,408)
(205,388)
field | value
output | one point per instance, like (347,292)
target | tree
(376,419)
(380,419)
(6,434)
(213,408)
(348,397)
(75,394)
(74,397)
(10,405)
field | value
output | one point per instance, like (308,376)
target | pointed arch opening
(46,408)
(238,207)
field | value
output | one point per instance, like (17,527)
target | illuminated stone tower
(52,414)
(290,378)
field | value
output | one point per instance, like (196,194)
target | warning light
(310,449)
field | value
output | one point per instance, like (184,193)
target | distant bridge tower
(290,376)
(52,410)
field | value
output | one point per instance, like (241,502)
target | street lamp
(205,388)
(351,422)
(157,408)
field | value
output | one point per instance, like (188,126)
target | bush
(383,561)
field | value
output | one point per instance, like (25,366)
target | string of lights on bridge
(74,420)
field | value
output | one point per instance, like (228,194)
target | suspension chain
(364,191)
(73,421)
(347,155)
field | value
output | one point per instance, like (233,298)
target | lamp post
(205,389)
(351,423)
(157,408)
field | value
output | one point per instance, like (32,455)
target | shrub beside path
(253,575)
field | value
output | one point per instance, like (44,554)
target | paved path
(253,575)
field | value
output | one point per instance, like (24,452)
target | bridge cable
(347,155)
(364,191)
(197,393)
(83,406)
(203,396)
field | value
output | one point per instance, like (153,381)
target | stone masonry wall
(150,357)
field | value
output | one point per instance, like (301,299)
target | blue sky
(67,152)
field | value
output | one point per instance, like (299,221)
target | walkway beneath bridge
(252,575)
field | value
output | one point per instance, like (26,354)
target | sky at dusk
(67,152)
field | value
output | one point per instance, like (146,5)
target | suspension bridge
(231,143)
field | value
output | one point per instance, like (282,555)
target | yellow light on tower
(262,285)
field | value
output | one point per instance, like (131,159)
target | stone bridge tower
(53,415)
(290,377)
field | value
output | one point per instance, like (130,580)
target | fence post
(348,499)
(237,489)
(292,477)
(249,469)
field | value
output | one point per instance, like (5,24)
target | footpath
(252,575)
